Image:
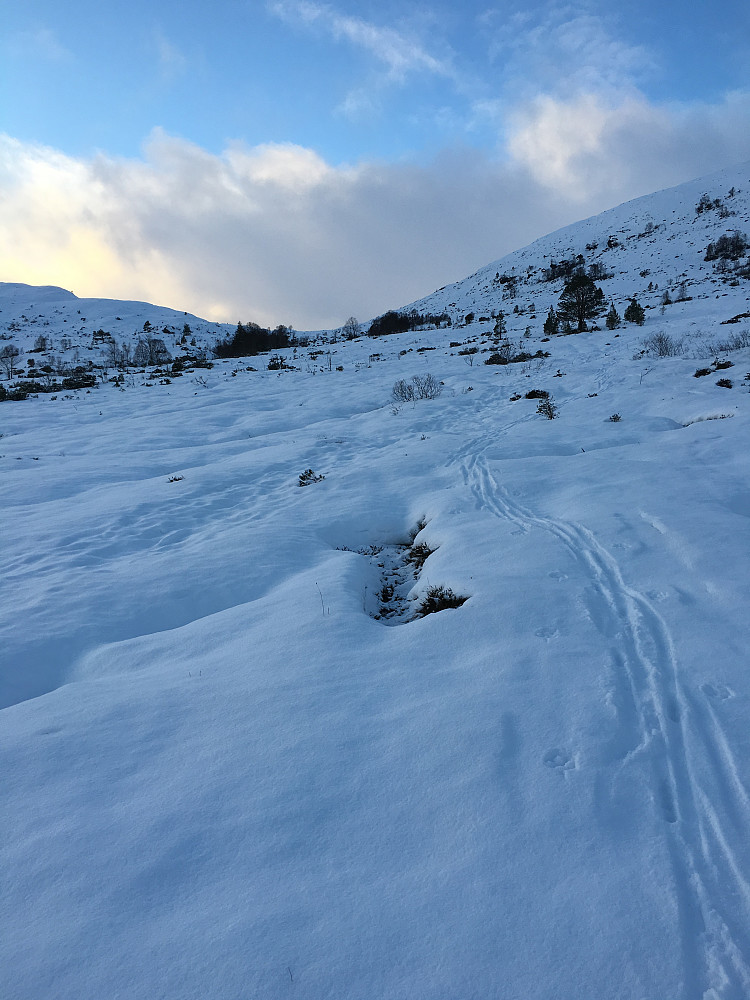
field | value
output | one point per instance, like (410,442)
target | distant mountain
(68,323)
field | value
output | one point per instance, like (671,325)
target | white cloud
(283,165)
(172,62)
(588,148)
(563,50)
(271,233)
(274,233)
(359,105)
(402,54)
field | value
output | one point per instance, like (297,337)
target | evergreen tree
(580,300)
(634,313)
(613,318)
(500,326)
(551,323)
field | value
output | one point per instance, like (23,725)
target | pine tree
(551,323)
(634,313)
(613,318)
(580,300)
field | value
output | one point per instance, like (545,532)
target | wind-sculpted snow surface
(225,776)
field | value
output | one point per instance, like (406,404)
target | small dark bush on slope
(547,408)
(308,476)
(729,247)
(438,599)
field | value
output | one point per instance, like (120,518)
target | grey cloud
(275,234)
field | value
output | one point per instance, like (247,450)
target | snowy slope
(228,773)
(68,323)
(659,245)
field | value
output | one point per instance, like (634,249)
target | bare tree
(117,355)
(351,328)
(8,356)
(151,351)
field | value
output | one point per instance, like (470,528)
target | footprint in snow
(720,691)
(556,574)
(559,759)
(547,632)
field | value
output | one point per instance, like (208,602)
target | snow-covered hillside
(236,760)
(68,324)
(649,246)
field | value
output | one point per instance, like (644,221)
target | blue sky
(277,138)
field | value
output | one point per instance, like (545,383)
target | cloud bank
(274,233)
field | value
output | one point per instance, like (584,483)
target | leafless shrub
(735,342)
(420,387)
(661,345)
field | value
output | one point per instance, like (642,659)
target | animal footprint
(546,632)
(556,574)
(720,691)
(559,759)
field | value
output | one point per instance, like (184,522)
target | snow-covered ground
(225,777)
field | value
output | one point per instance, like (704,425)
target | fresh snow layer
(224,778)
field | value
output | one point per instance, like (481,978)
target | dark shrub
(438,599)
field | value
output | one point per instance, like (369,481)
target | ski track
(712,892)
